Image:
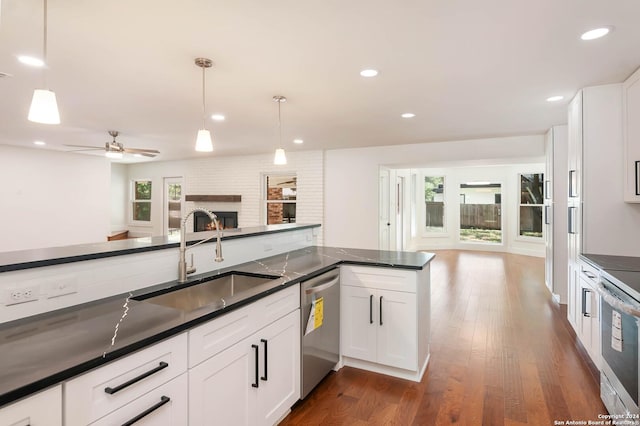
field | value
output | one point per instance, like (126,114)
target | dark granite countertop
(616,263)
(25,259)
(43,350)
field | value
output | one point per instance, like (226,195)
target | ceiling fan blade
(140,150)
(86,146)
(146,154)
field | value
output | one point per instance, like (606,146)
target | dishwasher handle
(322,287)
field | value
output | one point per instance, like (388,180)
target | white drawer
(91,396)
(379,278)
(165,405)
(41,409)
(220,333)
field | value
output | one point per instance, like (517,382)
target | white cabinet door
(220,389)
(397,324)
(235,388)
(631,123)
(358,323)
(279,384)
(41,409)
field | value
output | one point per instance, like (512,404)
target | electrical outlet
(13,296)
(61,286)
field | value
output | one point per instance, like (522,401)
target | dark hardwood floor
(501,354)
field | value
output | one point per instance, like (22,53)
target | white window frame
(425,231)
(519,205)
(132,201)
(266,201)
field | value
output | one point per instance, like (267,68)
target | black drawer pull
(380,310)
(637,177)
(118,388)
(163,400)
(265,360)
(371,309)
(256,383)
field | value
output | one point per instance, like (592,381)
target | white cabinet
(588,316)
(385,320)
(41,409)
(245,366)
(555,208)
(112,388)
(631,128)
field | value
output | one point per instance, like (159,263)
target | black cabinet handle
(637,177)
(380,310)
(265,360)
(163,400)
(371,309)
(256,383)
(584,302)
(118,388)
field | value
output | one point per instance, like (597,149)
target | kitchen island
(43,350)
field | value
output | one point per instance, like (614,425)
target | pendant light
(44,108)
(203,141)
(280,157)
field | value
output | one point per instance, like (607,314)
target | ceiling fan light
(280,158)
(44,108)
(203,141)
(113,155)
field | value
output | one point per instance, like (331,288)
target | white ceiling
(467,69)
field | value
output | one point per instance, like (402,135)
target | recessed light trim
(31,61)
(595,33)
(218,117)
(408,115)
(369,73)
(555,98)
(39,143)
(298,141)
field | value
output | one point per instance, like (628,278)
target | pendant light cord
(279,126)
(44,46)
(203,107)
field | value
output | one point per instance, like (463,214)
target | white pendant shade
(203,142)
(44,108)
(113,155)
(280,157)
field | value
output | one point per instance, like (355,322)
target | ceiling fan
(116,149)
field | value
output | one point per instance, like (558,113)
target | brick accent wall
(274,210)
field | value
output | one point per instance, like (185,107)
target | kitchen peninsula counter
(43,350)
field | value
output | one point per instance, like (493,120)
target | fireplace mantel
(214,198)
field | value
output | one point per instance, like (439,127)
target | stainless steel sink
(214,292)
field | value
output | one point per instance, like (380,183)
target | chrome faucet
(183,270)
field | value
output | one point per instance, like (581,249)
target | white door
(384,208)
(399,213)
(221,387)
(279,361)
(172,206)
(358,322)
(397,329)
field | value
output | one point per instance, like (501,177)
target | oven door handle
(616,303)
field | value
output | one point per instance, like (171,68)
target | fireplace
(227,220)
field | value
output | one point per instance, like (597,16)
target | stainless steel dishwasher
(320,342)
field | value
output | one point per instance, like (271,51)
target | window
(434,203)
(531,205)
(141,202)
(281,192)
(481,212)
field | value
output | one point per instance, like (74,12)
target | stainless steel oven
(619,319)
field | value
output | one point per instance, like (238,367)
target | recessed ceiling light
(369,73)
(298,141)
(217,117)
(555,98)
(595,33)
(408,115)
(31,61)
(40,143)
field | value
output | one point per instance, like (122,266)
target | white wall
(119,196)
(352,175)
(52,198)
(235,176)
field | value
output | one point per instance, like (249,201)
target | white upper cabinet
(631,126)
